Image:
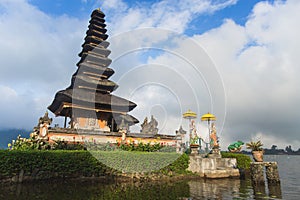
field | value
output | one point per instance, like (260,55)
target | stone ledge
(264,163)
(221,173)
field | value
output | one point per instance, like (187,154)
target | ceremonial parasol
(208,117)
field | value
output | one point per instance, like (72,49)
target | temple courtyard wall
(95,136)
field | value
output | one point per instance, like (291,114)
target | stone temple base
(213,167)
(215,153)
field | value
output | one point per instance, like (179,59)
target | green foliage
(34,143)
(194,140)
(243,161)
(135,161)
(148,147)
(50,163)
(130,146)
(68,163)
(255,146)
(89,190)
(64,145)
(31,143)
(179,166)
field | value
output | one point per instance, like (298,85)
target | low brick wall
(74,135)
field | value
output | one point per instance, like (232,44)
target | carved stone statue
(235,147)
(213,137)
(149,127)
(181,131)
(180,144)
(45,119)
(43,125)
(145,123)
(123,129)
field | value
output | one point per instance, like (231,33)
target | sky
(237,59)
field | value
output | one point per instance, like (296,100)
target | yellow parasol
(189,115)
(208,117)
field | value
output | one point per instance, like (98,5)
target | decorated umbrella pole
(190,115)
(208,117)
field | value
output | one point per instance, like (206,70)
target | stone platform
(213,167)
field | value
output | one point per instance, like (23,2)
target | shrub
(135,161)
(31,143)
(49,163)
(130,146)
(64,145)
(255,146)
(148,147)
(243,161)
(179,166)
(61,164)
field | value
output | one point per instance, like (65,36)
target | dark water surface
(186,189)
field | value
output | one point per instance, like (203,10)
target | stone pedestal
(258,169)
(257,173)
(215,153)
(213,167)
(272,173)
(194,149)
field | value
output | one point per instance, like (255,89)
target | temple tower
(88,101)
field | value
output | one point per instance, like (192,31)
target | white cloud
(167,14)
(38,57)
(259,65)
(18,110)
(177,67)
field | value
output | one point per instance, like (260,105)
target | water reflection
(96,190)
(217,189)
(192,189)
(275,191)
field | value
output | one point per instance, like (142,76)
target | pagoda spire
(90,91)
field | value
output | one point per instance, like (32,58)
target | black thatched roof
(96,28)
(98,22)
(98,13)
(91,100)
(95,39)
(102,85)
(92,68)
(94,59)
(100,50)
(128,119)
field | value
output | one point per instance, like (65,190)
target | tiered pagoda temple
(88,101)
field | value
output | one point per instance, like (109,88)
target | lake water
(184,189)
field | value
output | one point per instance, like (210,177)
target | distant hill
(7,135)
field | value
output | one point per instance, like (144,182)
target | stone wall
(81,135)
(213,167)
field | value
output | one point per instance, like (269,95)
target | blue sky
(238,12)
(251,46)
